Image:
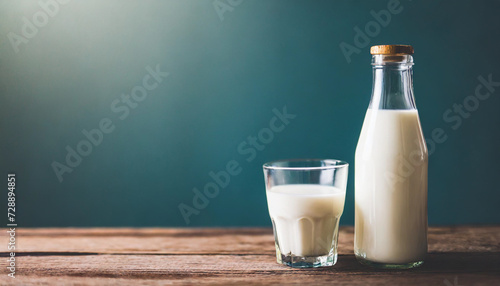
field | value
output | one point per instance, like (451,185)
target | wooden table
(117,256)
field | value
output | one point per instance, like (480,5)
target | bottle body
(391,165)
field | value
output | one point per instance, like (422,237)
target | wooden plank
(173,241)
(469,269)
(457,256)
(221,241)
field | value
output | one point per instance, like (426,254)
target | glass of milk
(306,200)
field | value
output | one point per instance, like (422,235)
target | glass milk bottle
(391,168)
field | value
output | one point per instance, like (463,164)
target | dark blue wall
(229,65)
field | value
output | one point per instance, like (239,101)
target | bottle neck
(392,82)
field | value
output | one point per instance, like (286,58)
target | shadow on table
(452,262)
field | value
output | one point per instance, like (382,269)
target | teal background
(225,79)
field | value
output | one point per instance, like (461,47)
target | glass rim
(331,164)
(402,60)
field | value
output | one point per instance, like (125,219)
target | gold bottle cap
(391,50)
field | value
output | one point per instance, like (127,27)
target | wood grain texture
(158,256)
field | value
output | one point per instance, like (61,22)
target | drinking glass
(306,200)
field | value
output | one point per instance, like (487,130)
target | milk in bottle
(391,168)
